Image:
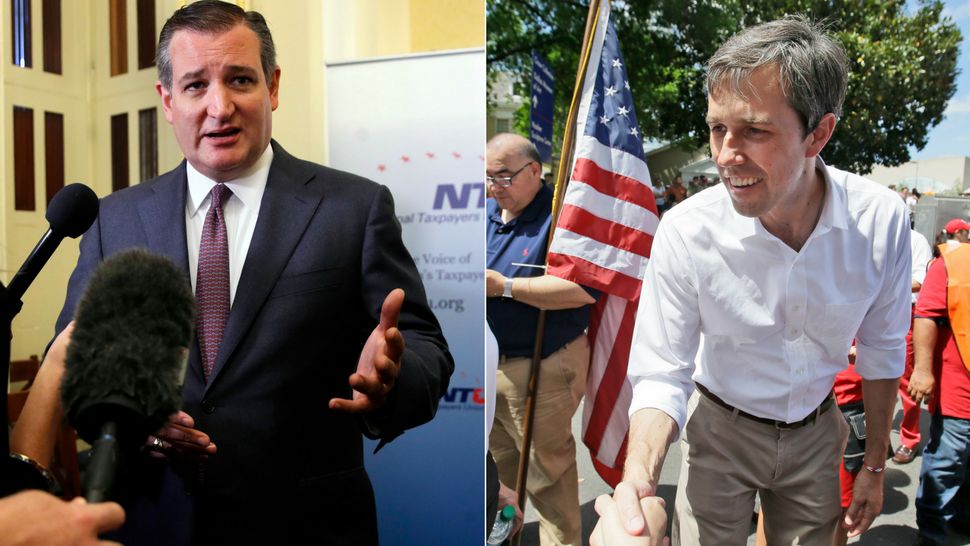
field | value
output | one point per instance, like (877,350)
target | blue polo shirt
(523,241)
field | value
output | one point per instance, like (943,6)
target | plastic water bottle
(502,526)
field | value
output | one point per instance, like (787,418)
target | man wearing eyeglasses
(518,222)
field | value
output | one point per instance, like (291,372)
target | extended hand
(610,530)
(33,517)
(627,497)
(921,386)
(180,440)
(866,502)
(380,361)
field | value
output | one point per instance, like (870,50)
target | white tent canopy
(705,166)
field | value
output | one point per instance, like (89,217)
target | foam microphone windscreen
(72,210)
(126,361)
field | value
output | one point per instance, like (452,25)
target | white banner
(417,125)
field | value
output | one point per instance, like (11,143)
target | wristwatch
(507,292)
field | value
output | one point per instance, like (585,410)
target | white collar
(248,188)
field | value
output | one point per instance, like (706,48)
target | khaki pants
(553,481)
(729,458)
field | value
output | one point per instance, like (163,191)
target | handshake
(618,520)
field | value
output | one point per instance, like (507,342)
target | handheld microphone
(127,358)
(70,213)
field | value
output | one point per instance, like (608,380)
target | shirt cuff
(873,363)
(670,398)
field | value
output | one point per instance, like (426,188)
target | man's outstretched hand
(380,361)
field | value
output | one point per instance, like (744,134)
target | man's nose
(729,153)
(220,105)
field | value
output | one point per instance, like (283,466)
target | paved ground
(896,525)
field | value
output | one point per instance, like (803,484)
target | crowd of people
(666,196)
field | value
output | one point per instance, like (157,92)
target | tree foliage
(903,65)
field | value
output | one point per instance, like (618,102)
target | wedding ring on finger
(156,444)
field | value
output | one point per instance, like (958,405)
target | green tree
(903,64)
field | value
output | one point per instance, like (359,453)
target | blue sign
(540,117)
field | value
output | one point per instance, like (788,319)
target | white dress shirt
(240,211)
(777,324)
(922,254)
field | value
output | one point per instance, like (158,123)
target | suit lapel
(163,215)
(289,203)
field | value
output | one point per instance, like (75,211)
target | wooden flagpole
(565,167)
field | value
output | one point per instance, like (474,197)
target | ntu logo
(459,196)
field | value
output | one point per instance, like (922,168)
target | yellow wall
(446,24)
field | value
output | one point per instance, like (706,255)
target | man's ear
(274,89)
(166,96)
(820,135)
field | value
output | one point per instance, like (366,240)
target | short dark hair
(213,17)
(813,68)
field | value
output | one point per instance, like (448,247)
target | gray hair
(813,68)
(213,17)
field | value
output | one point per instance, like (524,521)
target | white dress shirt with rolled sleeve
(776,324)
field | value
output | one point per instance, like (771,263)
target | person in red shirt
(941,378)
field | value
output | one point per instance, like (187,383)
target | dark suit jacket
(325,252)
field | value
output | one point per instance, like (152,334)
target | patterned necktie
(212,279)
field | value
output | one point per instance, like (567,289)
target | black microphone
(70,213)
(126,361)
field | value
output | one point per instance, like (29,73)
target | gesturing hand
(179,439)
(380,361)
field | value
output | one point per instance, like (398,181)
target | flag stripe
(582,221)
(609,207)
(612,473)
(616,423)
(625,165)
(613,379)
(589,274)
(604,321)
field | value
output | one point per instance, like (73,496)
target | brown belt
(826,404)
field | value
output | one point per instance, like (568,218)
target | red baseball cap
(956,225)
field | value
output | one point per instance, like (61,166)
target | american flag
(603,239)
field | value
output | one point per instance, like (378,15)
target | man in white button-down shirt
(777,269)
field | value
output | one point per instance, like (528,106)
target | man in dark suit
(312,254)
